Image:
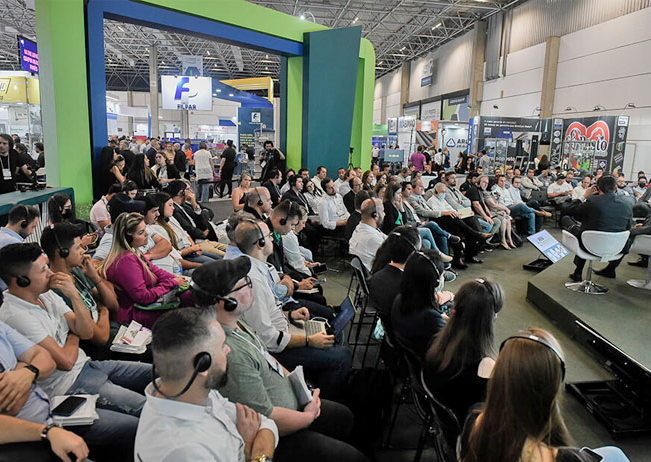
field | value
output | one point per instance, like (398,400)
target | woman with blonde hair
(239,193)
(521,420)
(138,283)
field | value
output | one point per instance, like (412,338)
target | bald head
(372,211)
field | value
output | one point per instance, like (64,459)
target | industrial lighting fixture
(437,26)
(219,90)
(356,19)
(380,63)
(536,111)
(403,48)
(266,68)
(598,107)
(307,12)
(231,95)
(495,106)
(631,105)
(570,109)
(208,52)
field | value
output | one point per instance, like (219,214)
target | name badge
(6,173)
(275,365)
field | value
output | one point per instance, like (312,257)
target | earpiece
(438,273)
(260,203)
(23,281)
(201,362)
(262,241)
(404,238)
(283,221)
(230,304)
(490,291)
(534,338)
(63,251)
(374,213)
(23,224)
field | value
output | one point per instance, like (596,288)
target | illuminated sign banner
(186,92)
(28,55)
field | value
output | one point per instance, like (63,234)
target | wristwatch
(46,430)
(261,458)
(34,369)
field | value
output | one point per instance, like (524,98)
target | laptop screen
(345,315)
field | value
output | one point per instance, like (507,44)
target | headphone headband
(63,251)
(403,237)
(438,273)
(534,338)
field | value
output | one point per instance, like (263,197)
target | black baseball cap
(218,278)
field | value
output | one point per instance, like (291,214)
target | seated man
(516,183)
(545,178)
(310,234)
(604,211)
(458,201)
(25,415)
(188,214)
(321,174)
(258,203)
(367,237)
(518,211)
(341,179)
(185,417)
(34,310)
(22,221)
(100,217)
(255,379)
(332,211)
(328,362)
(624,190)
(272,186)
(356,216)
(559,191)
(642,207)
(355,186)
(640,188)
(581,192)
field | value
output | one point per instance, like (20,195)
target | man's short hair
(301,170)
(319,168)
(274,173)
(293,179)
(324,182)
(247,234)
(360,197)
(234,221)
(60,236)
(607,184)
(287,209)
(22,213)
(177,337)
(404,242)
(17,259)
(255,195)
(497,177)
(175,187)
(114,189)
(203,145)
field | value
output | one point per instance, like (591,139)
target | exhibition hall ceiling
(400,30)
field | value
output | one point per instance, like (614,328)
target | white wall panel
(525,60)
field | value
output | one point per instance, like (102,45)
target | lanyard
(257,345)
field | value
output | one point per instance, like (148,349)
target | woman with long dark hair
(141,174)
(165,170)
(416,317)
(459,362)
(521,420)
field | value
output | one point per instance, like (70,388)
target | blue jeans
(611,454)
(120,386)
(204,191)
(440,236)
(486,227)
(523,211)
(328,368)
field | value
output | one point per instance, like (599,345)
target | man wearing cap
(256,379)
(325,360)
(560,190)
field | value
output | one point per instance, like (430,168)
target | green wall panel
(294,122)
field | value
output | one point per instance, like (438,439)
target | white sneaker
(445,258)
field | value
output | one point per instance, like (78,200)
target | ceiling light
(380,62)
(266,68)
(303,17)
(231,95)
(355,20)
(403,48)
(266,56)
(208,52)
(437,26)
(219,90)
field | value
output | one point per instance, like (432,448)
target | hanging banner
(456,108)
(428,71)
(186,92)
(608,134)
(192,65)
(556,142)
(431,111)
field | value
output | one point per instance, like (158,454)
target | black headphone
(401,236)
(201,363)
(23,281)
(260,203)
(63,251)
(374,213)
(527,335)
(230,304)
(23,223)
(261,241)
(438,273)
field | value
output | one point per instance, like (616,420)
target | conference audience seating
(600,246)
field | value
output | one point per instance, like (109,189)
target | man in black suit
(605,211)
(272,185)
(349,199)
(151,152)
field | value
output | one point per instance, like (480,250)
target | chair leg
(641,283)
(587,286)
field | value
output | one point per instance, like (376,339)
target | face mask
(642,185)
(66,214)
(442,196)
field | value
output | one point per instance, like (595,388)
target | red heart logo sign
(598,131)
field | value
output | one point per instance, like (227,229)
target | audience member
(415,316)
(640,187)
(367,237)
(22,220)
(165,170)
(258,203)
(271,158)
(459,362)
(185,417)
(356,216)
(141,174)
(499,212)
(355,186)
(582,191)
(522,418)
(518,211)
(240,193)
(272,185)
(100,217)
(298,258)
(332,211)
(625,191)
(642,207)
(321,174)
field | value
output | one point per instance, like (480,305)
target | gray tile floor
(505,267)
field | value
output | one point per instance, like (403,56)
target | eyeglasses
(247,283)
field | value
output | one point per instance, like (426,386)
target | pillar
(552,48)
(153,90)
(477,68)
(405,70)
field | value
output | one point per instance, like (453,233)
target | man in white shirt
(321,174)
(581,191)
(100,217)
(530,183)
(341,179)
(560,190)
(34,310)
(323,356)
(367,237)
(519,210)
(332,211)
(484,161)
(185,417)
(22,221)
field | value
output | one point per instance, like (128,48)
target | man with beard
(367,237)
(185,417)
(332,211)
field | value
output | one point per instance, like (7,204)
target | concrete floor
(505,267)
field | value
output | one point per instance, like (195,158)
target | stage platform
(616,329)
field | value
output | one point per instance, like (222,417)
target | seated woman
(469,166)
(380,190)
(500,212)
(398,212)
(118,169)
(165,170)
(136,280)
(59,210)
(460,165)
(158,250)
(415,316)
(239,193)
(295,255)
(141,174)
(367,181)
(313,196)
(460,361)
(521,420)
(166,226)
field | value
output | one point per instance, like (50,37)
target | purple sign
(28,55)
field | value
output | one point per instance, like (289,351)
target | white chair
(642,245)
(601,246)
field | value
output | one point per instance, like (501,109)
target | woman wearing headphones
(239,193)
(416,316)
(521,420)
(138,283)
(459,362)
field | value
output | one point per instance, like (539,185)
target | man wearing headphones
(23,219)
(185,417)
(272,186)
(367,237)
(313,431)
(325,360)
(258,203)
(33,309)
